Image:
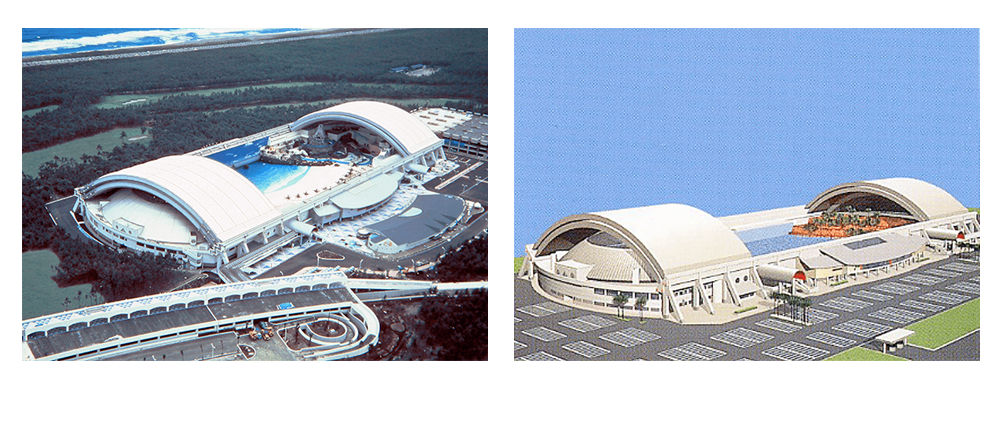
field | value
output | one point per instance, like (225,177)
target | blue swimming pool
(781,243)
(774,238)
(271,177)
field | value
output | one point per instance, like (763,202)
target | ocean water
(59,41)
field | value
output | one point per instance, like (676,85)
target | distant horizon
(736,121)
(37,42)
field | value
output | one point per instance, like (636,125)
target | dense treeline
(470,263)
(116,275)
(457,324)
(50,127)
(462,54)
(311,93)
(36,228)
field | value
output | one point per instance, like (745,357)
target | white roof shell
(221,202)
(668,239)
(921,199)
(402,130)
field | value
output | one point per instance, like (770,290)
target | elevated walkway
(232,272)
(125,326)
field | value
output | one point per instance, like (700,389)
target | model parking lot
(546,330)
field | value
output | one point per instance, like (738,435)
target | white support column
(703,298)
(527,266)
(757,281)
(728,285)
(668,296)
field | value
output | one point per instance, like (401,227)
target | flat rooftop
(874,250)
(427,216)
(455,124)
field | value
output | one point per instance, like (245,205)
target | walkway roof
(371,192)
(875,249)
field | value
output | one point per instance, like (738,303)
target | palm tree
(776,296)
(620,300)
(792,302)
(640,302)
(805,303)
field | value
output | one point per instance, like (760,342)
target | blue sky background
(734,121)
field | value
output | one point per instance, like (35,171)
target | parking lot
(545,330)
(469,181)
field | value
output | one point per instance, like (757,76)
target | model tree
(620,300)
(640,302)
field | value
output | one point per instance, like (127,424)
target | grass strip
(947,326)
(863,354)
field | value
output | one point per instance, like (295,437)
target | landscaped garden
(847,224)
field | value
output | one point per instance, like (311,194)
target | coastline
(217,43)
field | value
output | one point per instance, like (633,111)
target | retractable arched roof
(402,130)
(918,198)
(222,203)
(667,238)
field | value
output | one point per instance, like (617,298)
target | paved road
(472,186)
(573,334)
(61,212)
(217,347)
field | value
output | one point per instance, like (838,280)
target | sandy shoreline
(218,43)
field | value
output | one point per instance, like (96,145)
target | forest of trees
(458,324)
(470,263)
(462,54)
(116,275)
(67,122)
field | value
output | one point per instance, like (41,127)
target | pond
(39,293)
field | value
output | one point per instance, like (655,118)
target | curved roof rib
(667,239)
(921,199)
(402,130)
(221,202)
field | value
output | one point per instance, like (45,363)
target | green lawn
(946,326)
(115,101)
(863,354)
(77,147)
(32,112)
(517,264)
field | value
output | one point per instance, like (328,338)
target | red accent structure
(799,275)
